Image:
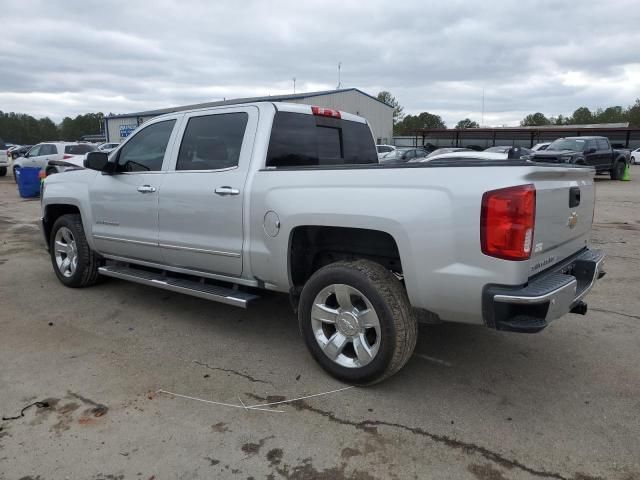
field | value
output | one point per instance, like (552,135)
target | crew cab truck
(594,152)
(225,202)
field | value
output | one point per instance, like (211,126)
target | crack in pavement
(637,317)
(235,372)
(371,427)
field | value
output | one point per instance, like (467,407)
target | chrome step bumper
(546,297)
(194,288)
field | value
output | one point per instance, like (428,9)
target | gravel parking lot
(472,403)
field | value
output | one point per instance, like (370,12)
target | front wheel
(633,160)
(356,321)
(15,174)
(617,172)
(74,263)
(3,171)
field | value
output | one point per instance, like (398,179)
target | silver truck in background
(224,202)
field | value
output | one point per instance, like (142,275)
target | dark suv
(595,152)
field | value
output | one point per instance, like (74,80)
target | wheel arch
(52,212)
(313,246)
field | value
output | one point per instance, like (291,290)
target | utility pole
(294,85)
(339,82)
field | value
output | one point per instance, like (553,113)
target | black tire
(86,271)
(387,296)
(50,171)
(3,171)
(633,160)
(617,172)
(15,176)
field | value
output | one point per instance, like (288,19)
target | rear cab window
(303,140)
(603,144)
(80,149)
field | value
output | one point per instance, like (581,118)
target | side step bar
(229,296)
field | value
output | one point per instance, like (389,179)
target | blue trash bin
(28,181)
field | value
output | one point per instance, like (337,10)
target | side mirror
(591,150)
(96,161)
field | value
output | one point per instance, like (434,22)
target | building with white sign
(351,100)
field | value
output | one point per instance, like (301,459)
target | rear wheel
(633,160)
(617,172)
(356,321)
(3,171)
(74,263)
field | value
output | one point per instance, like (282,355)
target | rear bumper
(546,297)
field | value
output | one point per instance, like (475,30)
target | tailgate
(565,199)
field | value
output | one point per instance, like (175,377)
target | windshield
(568,144)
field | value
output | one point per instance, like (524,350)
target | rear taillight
(507,221)
(325,112)
(66,156)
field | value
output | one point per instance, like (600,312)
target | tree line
(407,124)
(23,129)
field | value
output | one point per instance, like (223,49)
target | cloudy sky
(78,56)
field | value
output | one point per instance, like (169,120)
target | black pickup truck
(592,151)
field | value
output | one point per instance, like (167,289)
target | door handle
(224,191)
(146,189)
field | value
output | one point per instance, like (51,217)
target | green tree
(581,116)
(467,123)
(390,100)
(535,120)
(411,123)
(610,115)
(633,114)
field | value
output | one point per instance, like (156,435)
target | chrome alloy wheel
(66,252)
(345,325)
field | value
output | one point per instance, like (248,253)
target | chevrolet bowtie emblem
(573,220)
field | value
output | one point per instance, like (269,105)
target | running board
(229,296)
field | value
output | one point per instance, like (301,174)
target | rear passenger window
(48,149)
(603,143)
(300,140)
(212,142)
(145,151)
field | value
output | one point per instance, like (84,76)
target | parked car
(19,151)
(516,152)
(513,153)
(108,147)
(540,146)
(4,162)
(595,152)
(404,155)
(440,151)
(257,197)
(54,157)
(384,149)
(635,156)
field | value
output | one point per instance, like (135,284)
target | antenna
(294,84)
(339,82)
(482,117)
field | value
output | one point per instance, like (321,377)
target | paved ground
(473,403)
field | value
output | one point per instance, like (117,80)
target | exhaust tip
(580,308)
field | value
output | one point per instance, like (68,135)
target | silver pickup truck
(222,203)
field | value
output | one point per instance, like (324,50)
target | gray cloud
(65,58)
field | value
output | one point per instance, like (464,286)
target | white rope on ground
(432,359)
(219,403)
(299,398)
